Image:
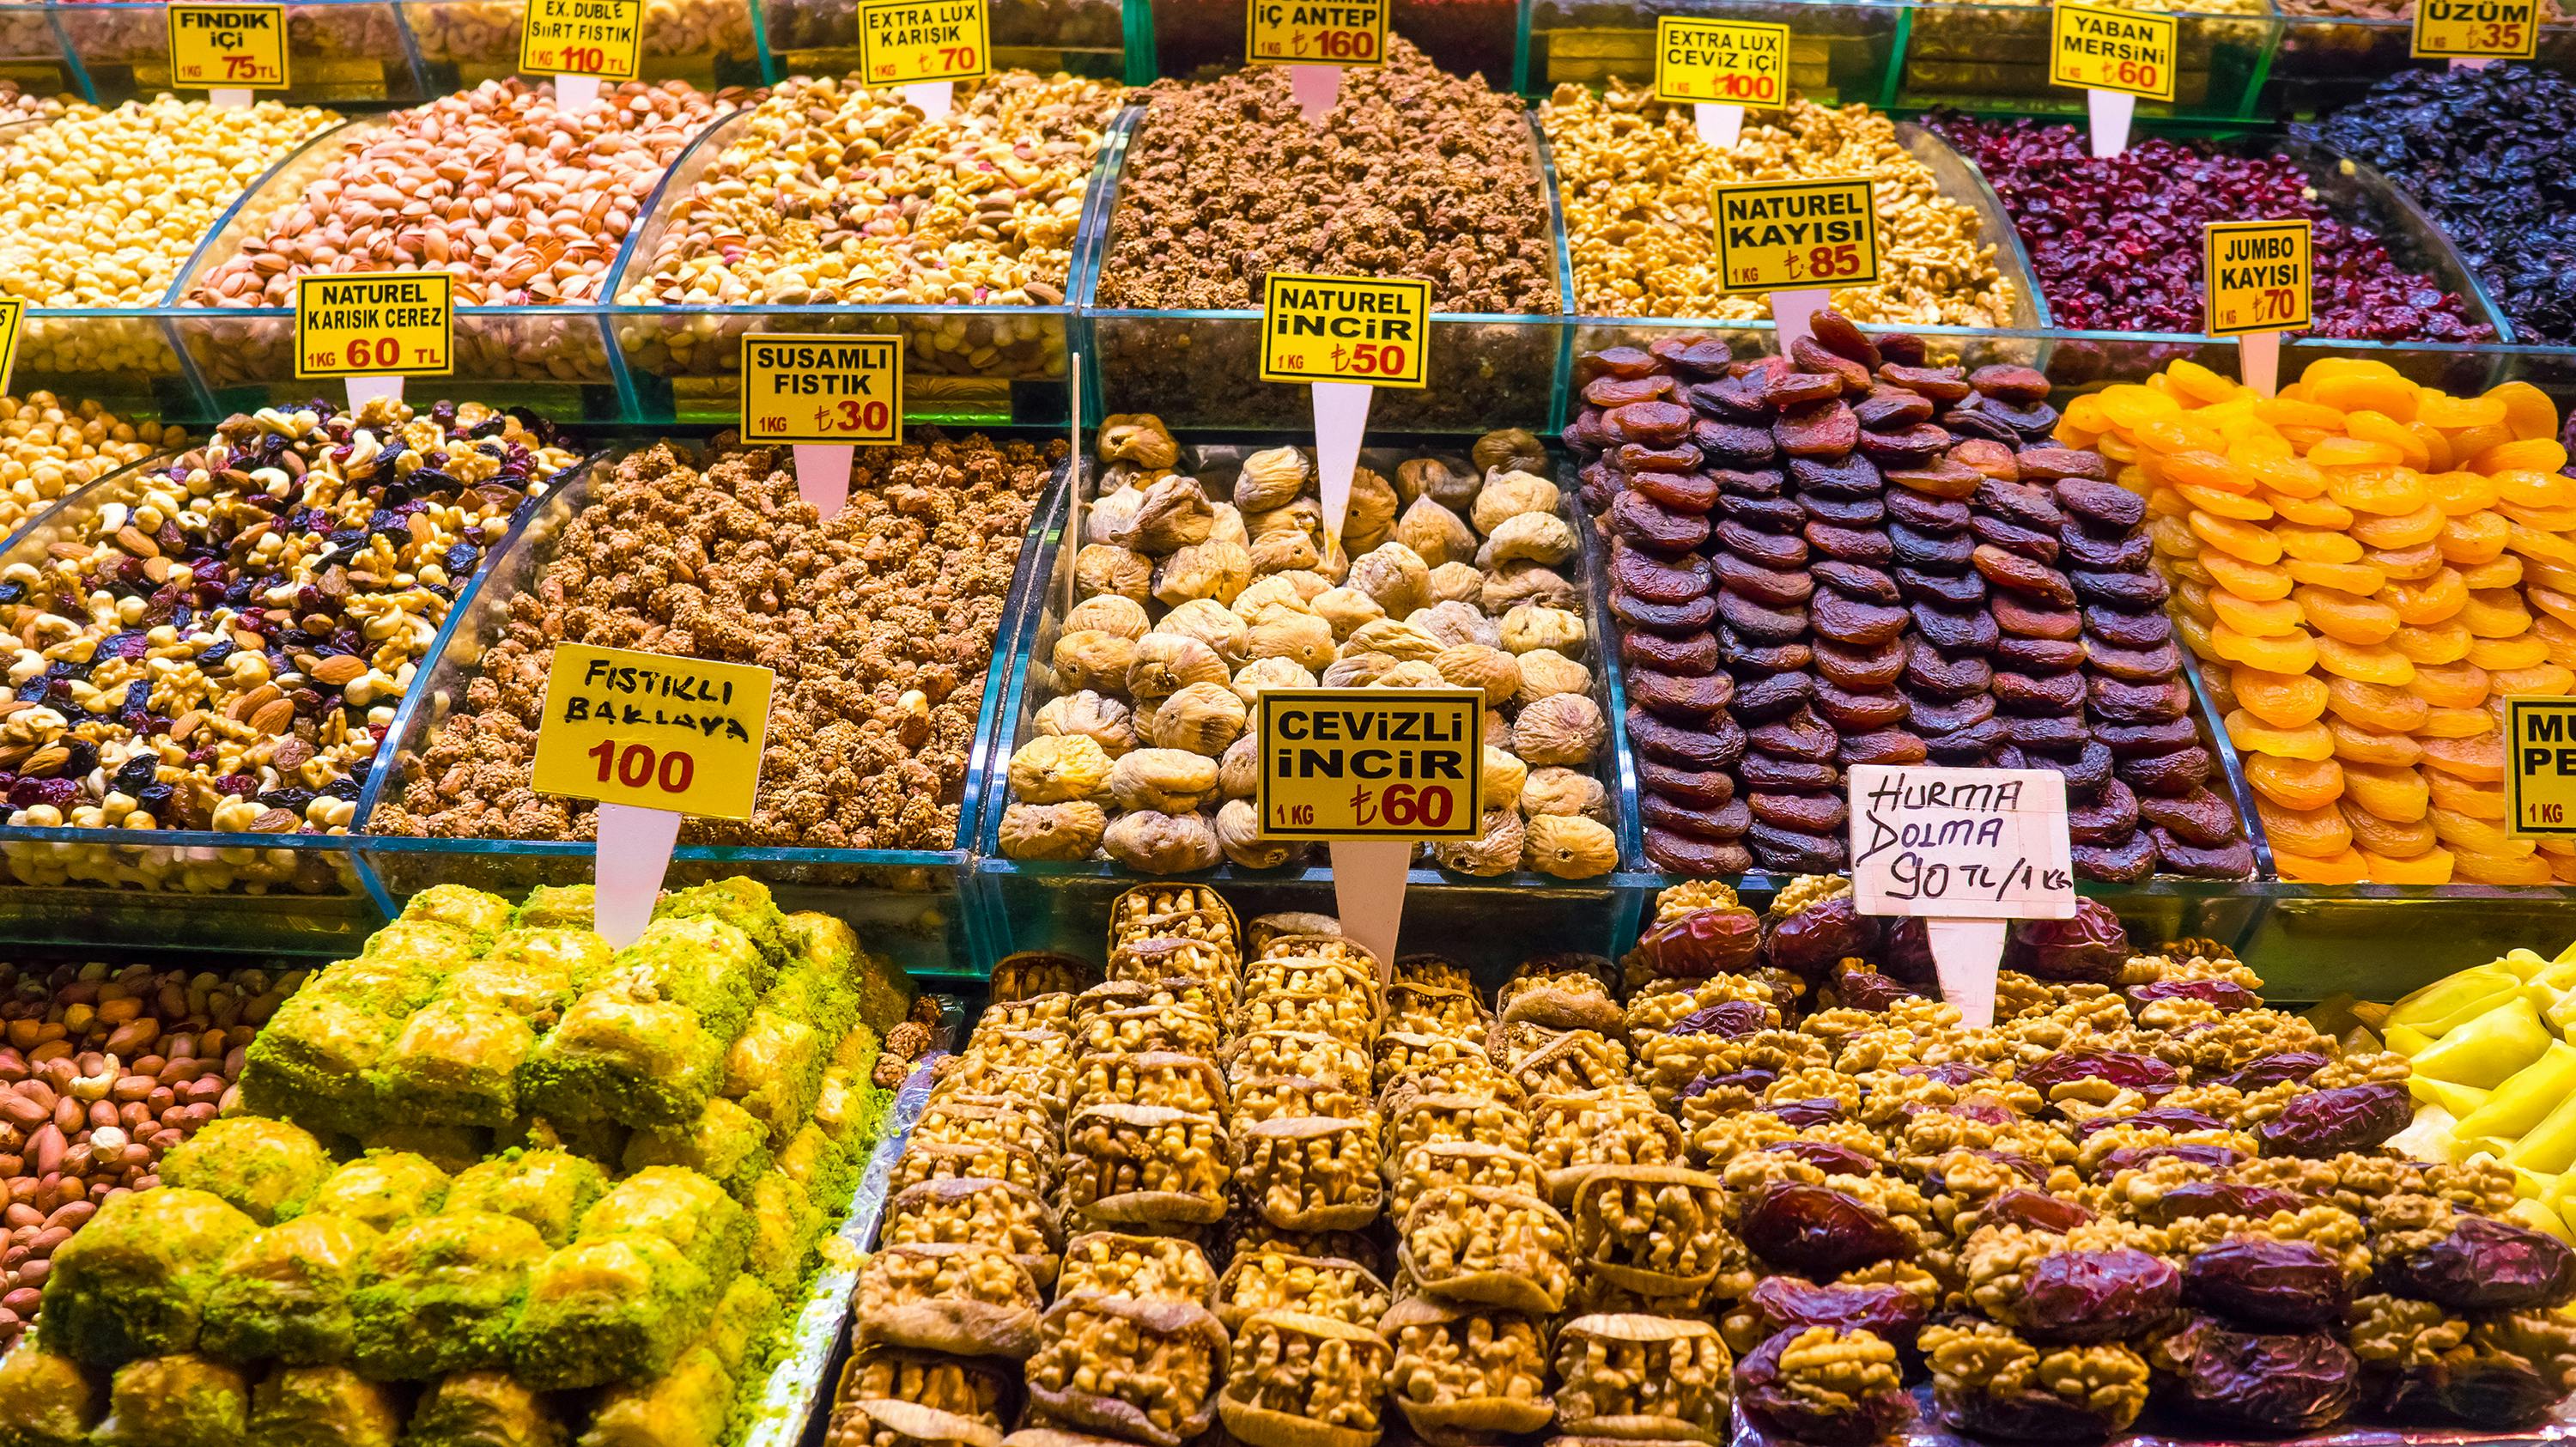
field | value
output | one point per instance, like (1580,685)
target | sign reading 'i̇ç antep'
(1349,33)
(1344,329)
(227,47)
(1795,235)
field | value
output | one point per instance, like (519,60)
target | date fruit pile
(2368,568)
(2116,243)
(1848,556)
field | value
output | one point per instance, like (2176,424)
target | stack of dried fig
(1198,589)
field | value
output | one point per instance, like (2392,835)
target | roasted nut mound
(1145,1371)
(880,624)
(1313,1173)
(49,448)
(524,203)
(795,210)
(1652,1377)
(971,1212)
(104,207)
(1635,177)
(1262,1279)
(1497,1248)
(969,1299)
(1462,1370)
(222,644)
(1438,171)
(1152,1268)
(1146,1163)
(1299,1380)
(1991,1382)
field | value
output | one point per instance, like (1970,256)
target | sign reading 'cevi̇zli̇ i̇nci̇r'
(1370,763)
(1344,329)
(1315,32)
(227,47)
(2476,30)
(1722,62)
(656,732)
(2094,47)
(2258,275)
(1795,235)
(375,324)
(2540,766)
(915,42)
(582,37)
(822,389)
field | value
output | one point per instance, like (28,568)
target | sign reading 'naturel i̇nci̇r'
(1729,62)
(582,37)
(915,42)
(2094,47)
(822,389)
(2258,275)
(1315,32)
(2476,29)
(228,47)
(1370,763)
(1795,235)
(375,324)
(652,731)
(1344,329)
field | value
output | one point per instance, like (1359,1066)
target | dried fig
(1238,833)
(1270,478)
(1546,672)
(1569,846)
(1565,792)
(1455,624)
(1092,715)
(1395,575)
(1537,625)
(1437,534)
(1107,568)
(1108,613)
(1262,673)
(1053,769)
(1169,781)
(1208,569)
(1460,582)
(1203,718)
(1503,777)
(1496,673)
(1496,849)
(1064,831)
(1565,728)
(1156,843)
(1510,494)
(1139,438)
(1166,663)
(1528,537)
(1515,584)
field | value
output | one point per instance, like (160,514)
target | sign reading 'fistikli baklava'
(1795,235)
(2476,29)
(375,324)
(582,37)
(1344,329)
(1727,62)
(822,389)
(1349,33)
(228,47)
(1370,763)
(2258,274)
(915,42)
(2094,47)
(652,731)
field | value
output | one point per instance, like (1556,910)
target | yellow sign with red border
(1344,329)
(582,37)
(2095,47)
(2540,767)
(375,324)
(227,47)
(1720,62)
(653,731)
(2259,275)
(13,323)
(810,388)
(913,42)
(1795,235)
(1371,763)
(1349,33)
(2476,30)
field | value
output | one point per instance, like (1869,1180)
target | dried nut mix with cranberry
(1198,589)
(222,646)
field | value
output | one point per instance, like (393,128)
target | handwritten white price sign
(1967,850)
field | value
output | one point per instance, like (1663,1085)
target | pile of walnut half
(1196,589)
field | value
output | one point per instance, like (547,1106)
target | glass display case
(339,52)
(1994,58)
(1839,54)
(2324,62)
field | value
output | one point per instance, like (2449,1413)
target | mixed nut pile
(1197,590)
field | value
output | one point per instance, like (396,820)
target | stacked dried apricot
(2366,568)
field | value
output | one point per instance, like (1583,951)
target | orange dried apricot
(2283,700)
(2294,652)
(2433,866)
(2193,570)
(2398,796)
(2260,582)
(2289,476)
(2192,600)
(2444,642)
(2480,760)
(2528,412)
(2295,783)
(2180,432)
(2465,796)
(2430,601)
(2457,492)
(2358,579)
(2250,541)
(2469,831)
(2365,425)
(2164,502)
(2376,489)
(2316,832)
(2450,685)
(2315,545)
(2173,540)
(2559,638)
(2194,634)
(2481,868)
(2218,681)
(2345,867)
(2201,384)
(2253,736)
(2249,616)
(2345,617)
(2473,537)
(2456,723)
(2198,467)
(2439,456)
(2369,746)
(2376,389)
(2495,613)
(2240,506)
(2552,603)
(2541,680)
(2404,530)
(2294,409)
(2310,512)
(2082,414)
(2405,565)
(2520,651)
(2504,572)
(2528,487)
(2374,705)
(2367,662)
(2536,454)
(2441,409)
(2397,838)
(2547,519)
(2534,542)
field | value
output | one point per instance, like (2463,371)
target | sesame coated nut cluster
(1635,177)
(879,625)
(49,447)
(526,203)
(1415,173)
(832,192)
(102,208)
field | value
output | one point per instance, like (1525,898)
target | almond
(339,670)
(186,725)
(45,761)
(274,717)
(136,541)
(157,569)
(244,638)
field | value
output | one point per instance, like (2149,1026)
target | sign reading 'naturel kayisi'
(1786,235)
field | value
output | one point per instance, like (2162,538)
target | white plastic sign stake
(363,390)
(2261,361)
(2258,278)
(1719,124)
(1346,335)
(1966,850)
(1369,876)
(1317,89)
(2472,62)
(1341,416)
(933,98)
(1794,313)
(634,854)
(823,477)
(229,98)
(2111,111)
(576,93)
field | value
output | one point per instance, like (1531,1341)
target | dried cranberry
(240,786)
(1820,1231)
(2072,1297)
(2036,1210)
(2227,995)
(2254,1382)
(2268,1283)
(1891,1311)
(1770,1404)
(2484,1264)
(2089,945)
(2124,1069)
(2326,1123)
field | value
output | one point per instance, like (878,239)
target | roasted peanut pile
(879,624)
(47,449)
(834,192)
(1634,176)
(525,203)
(102,208)
(1415,173)
(222,645)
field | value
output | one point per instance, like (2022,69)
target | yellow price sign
(1726,62)
(820,389)
(2094,47)
(1371,763)
(228,47)
(1344,329)
(2474,29)
(653,731)
(1795,235)
(1315,32)
(582,37)
(2540,766)
(908,42)
(2258,275)
(375,324)
(13,322)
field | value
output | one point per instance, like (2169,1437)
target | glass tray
(2324,64)
(339,51)
(1994,58)
(1839,53)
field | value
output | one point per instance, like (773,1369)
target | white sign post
(1965,850)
